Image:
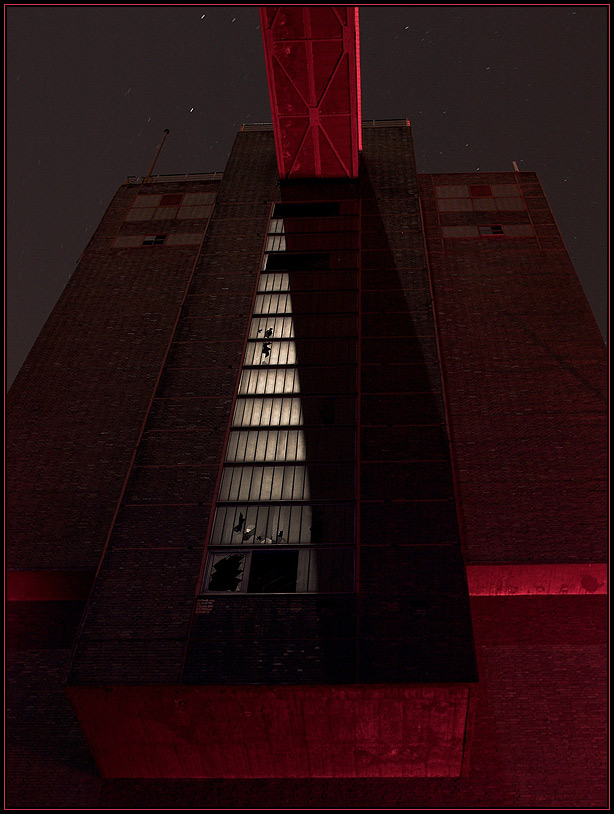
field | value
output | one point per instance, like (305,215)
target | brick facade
(480,441)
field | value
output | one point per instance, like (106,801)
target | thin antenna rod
(153,163)
(515,166)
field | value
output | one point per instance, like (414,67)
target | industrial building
(307,480)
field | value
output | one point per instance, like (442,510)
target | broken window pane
(226,572)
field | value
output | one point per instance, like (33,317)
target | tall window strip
(286,507)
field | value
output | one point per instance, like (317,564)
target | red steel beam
(313,71)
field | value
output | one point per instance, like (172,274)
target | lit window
(284,517)
(276,226)
(276,243)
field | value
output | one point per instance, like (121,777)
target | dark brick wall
(524,367)
(278,640)
(75,410)
(137,622)
(414,615)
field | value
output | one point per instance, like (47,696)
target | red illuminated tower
(278,422)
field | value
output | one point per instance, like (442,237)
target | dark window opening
(316,261)
(171,200)
(317,524)
(306,210)
(328,412)
(154,240)
(491,230)
(273,572)
(227,573)
(480,191)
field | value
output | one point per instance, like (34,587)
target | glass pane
(273,572)
(268,382)
(227,571)
(271,328)
(267,412)
(278,281)
(270,352)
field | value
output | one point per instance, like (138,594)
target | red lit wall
(275,731)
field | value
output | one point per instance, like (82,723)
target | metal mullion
(240,413)
(248,409)
(225,484)
(260,434)
(274,402)
(217,522)
(288,450)
(239,454)
(224,492)
(256,416)
(236,478)
(229,452)
(267,408)
(275,512)
(247,404)
(280,476)
(257,522)
(293,482)
(258,498)
(235,416)
(230,521)
(243,445)
(292,372)
(275,445)
(296,405)
(294,510)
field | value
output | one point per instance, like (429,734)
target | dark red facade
(476,456)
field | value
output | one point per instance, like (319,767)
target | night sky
(90,90)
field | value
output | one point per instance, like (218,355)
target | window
(191,206)
(480,198)
(285,510)
(154,240)
(480,191)
(276,243)
(324,570)
(273,572)
(306,210)
(295,261)
(492,230)
(495,229)
(289,524)
(171,200)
